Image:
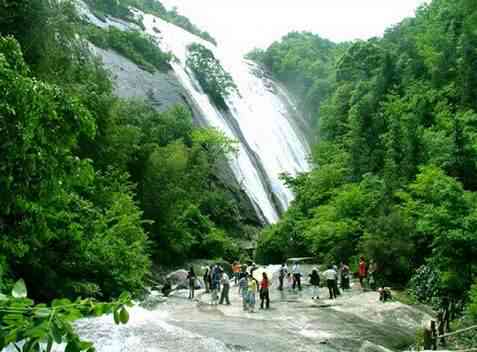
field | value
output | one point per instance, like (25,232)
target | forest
(395,163)
(95,190)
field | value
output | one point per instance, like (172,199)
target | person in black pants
(296,276)
(331,277)
(281,276)
(191,278)
(315,283)
(264,291)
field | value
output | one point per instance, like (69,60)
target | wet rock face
(161,89)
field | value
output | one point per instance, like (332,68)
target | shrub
(425,285)
(210,74)
(472,307)
(134,45)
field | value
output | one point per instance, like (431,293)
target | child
(252,292)
(289,281)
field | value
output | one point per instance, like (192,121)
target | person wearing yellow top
(252,291)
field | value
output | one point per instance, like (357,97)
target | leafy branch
(38,327)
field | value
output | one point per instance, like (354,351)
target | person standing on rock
(216,276)
(296,276)
(372,275)
(225,288)
(191,278)
(289,281)
(362,271)
(243,290)
(243,271)
(315,283)
(253,268)
(338,276)
(331,276)
(252,292)
(281,276)
(265,291)
(344,276)
(206,278)
(236,271)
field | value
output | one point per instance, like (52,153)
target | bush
(472,307)
(55,205)
(3,272)
(387,243)
(213,79)
(425,285)
(134,45)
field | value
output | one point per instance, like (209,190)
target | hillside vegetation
(396,164)
(95,188)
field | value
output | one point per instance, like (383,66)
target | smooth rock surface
(356,321)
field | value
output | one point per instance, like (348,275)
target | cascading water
(258,118)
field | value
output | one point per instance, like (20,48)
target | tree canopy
(395,167)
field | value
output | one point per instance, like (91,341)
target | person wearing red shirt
(264,291)
(362,271)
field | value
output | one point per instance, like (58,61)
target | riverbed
(356,321)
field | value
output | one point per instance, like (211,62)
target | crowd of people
(217,283)
(333,276)
(336,279)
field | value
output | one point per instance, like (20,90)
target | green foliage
(84,174)
(395,168)
(114,8)
(387,242)
(134,45)
(305,63)
(38,327)
(35,25)
(257,55)
(425,285)
(443,214)
(214,80)
(472,307)
(54,203)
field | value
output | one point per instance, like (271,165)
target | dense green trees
(395,168)
(305,63)
(93,186)
(54,204)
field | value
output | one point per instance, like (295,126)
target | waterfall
(259,118)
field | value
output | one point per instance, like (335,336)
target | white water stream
(258,119)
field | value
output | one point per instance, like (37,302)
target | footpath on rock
(355,321)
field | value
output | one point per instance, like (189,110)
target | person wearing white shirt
(225,281)
(331,276)
(296,276)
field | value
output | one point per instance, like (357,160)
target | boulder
(177,277)
(179,281)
